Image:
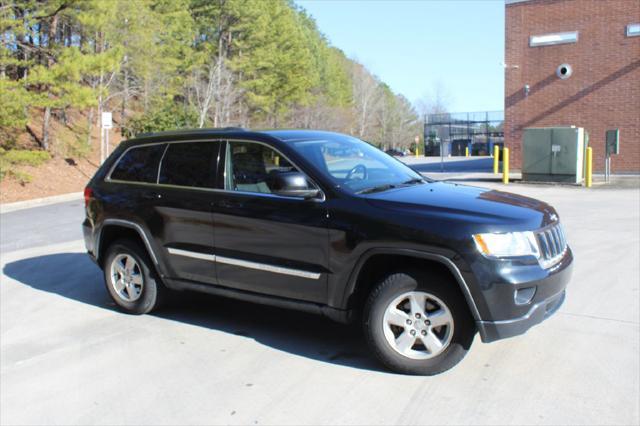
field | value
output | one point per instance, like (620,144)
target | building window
(553,38)
(633,30)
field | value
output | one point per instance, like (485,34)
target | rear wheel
(130,278)
(417,323)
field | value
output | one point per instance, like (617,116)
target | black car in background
(325,223)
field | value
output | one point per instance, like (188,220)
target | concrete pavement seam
(598,318)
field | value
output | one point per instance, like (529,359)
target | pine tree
(248,62)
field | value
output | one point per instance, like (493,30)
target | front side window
(189,164)
(355,165)
(254,167)
(139,164)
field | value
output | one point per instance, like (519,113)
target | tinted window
(250,167)
(353,164)
(190,164)
(139,164)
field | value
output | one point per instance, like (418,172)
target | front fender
(350,287)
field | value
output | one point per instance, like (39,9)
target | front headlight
(507,245)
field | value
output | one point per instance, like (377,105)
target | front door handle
(151,195)
(227,204)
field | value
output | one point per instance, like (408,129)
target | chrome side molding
(245,263)
(193,254)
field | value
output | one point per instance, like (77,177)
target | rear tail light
(88,193)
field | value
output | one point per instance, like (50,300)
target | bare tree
(438,100)
(215,91)
(321,115)
(203,87)
(366,97)
(406,123)
(397,122)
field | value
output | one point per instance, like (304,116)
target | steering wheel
(358,168)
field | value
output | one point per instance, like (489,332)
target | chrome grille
(552,243)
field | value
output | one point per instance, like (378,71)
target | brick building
(599,40)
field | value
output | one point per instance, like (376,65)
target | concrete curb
(36,202)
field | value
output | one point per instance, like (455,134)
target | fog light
(524,295)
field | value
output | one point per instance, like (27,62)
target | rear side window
(190,164)
(139,164)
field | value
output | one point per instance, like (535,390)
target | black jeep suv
(325,223)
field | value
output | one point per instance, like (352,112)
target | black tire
(152,292)
(394,286)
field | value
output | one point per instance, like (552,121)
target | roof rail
(190,131)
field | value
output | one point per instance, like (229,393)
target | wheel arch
(113,229)
(368,267)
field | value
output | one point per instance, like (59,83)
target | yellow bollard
(505,166)
(466,152)
(417,152)
(496,159)
(589,171)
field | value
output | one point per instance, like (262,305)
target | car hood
(467,203)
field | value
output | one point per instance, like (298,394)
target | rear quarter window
(139,164)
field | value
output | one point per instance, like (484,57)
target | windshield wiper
(378,188)
(386,186)
(413,181)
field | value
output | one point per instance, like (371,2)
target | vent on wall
(633,30)
(554,38)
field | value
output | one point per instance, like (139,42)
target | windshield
(355,165)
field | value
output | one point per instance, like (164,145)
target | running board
(334,314)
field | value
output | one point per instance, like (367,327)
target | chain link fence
(450,134)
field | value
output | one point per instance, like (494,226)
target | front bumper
(549,294)
(495,330)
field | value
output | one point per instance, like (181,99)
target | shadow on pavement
(74,276)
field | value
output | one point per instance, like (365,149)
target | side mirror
(292,184)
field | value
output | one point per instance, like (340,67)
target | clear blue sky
(415,45)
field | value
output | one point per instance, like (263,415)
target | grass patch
(24,157)
(73,142)
(22,177)
(9,159)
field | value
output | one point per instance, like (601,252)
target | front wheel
(417,323)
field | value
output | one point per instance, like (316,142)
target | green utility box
(554,154)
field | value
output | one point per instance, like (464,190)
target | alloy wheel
(126,277)
(418,325)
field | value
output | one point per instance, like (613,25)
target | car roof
(296,135)
(232,132)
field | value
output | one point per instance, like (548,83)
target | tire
(141,290)
(445,306)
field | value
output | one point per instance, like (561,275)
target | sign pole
(612,147)
(105,124)
(101,145)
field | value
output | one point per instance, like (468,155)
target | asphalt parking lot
(69,357)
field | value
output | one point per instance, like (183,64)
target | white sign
(106,120)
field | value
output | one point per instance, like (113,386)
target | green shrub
(168,116)
(17,157)
(20,157)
